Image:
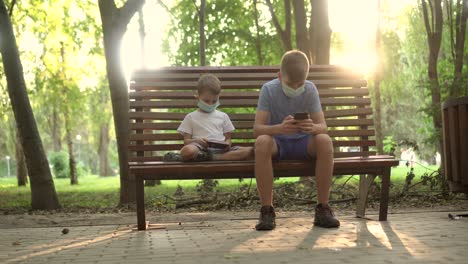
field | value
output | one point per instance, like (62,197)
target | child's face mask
(206,107)
(291,92)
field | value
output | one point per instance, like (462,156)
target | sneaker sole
(326,226)
(265,227)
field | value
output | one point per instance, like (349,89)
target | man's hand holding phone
(289,126)
(305,124)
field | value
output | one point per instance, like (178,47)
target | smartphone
(301,116)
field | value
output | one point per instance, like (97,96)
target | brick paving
(428,237)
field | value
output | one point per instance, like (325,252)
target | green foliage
(206,187)
(407,108)
(101,193)
(389,145)
(59,163)
(230,35)
(61,167)
(60,44)
(435,180)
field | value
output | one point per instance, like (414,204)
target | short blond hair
(209,83)
(295,66)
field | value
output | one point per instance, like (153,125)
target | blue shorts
(293,148)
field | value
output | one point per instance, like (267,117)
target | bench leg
(365,182)
(384,194)
(140,202)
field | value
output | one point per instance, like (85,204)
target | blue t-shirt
(272,99)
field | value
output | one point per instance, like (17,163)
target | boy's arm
(315,125)
(228,137)
(288,125)
(319,122)
(188,139)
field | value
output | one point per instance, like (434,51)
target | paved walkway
(405,238)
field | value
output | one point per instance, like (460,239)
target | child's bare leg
(265,148)
(189,152)
(321,146)
(242,153)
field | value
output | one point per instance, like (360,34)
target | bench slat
(242,94)
(179,170)
(177,76)
(238,69)
(249,135)
(235,135)
(335,155)
(242,103)
(147,161)
(246,117)
(249,124)
(252,84)
(180,116)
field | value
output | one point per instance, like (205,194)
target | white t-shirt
(211,126)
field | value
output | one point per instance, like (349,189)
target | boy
(206,125)
(282,137)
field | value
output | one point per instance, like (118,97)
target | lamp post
(8,165)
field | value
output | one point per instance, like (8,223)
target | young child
(205,125)
(280,136)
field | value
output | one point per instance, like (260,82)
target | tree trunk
(21,170)
(103,150)
(459,46)
(201,31)
(114,24)
(56,134)
(378,78)
(141,23)
(43,195)
(434,39)
(320,32)
(71,155)
(302,36)
(258,41)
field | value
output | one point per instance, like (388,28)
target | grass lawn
(102,192)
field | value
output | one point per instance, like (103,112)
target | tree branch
(285,36)
(10,10)
(258,43)
(432,15)
(449,4)
(438,17)
(274,17)
(287,15)
(161,3)
(127,11)
(173,18)
(196,7)
(425,17)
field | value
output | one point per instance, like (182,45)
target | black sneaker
(324,217)
(172,156)
(267,218)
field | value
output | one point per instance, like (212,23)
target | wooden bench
(160,99)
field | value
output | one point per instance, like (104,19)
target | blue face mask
(290,92)
(206,107)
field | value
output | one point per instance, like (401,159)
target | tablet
(217,144)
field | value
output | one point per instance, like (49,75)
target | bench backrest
(160,99)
